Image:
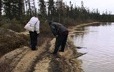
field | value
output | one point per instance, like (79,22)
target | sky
(101,5)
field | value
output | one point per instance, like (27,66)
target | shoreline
(73,48)
(81,25)
(70,55)
(42,61)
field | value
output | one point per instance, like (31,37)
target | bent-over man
(61,34)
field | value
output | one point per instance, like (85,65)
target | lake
(97,41)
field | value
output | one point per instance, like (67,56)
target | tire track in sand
(25,64)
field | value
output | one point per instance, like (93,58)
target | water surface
(98,43)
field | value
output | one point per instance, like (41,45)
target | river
(98,44)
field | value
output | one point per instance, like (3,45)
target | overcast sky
(102,5)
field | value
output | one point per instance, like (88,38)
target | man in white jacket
(35,23)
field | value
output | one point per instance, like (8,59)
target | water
(99,46)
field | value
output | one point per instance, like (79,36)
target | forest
(21,10)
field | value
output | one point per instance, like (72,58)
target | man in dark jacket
(61,34)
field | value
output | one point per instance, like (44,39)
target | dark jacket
(57,28)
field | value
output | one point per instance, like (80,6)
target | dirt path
(20,60)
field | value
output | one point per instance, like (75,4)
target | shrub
(12,24)
(9,40)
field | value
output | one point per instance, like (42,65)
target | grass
(4,67)
(9,40)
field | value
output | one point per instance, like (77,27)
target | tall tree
(71,10)
(21,8)
(13,8)
(42,6)
(30,11)
(60,10)
(0,7)
(30,7)
(51,9)
(7,8)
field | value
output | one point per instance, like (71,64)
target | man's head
(50,22)
(34,15)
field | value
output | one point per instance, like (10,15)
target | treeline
(50,10)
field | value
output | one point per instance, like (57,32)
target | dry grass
(14,27)
(4,67)
(9,40)
(11,24)
(45,33)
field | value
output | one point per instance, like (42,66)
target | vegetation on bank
(9,40)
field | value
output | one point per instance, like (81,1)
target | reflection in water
(98,41)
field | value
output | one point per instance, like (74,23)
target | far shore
(83,24)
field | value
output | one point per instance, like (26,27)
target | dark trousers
(60,42)
(33,39)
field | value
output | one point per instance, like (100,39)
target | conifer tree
(0,7)
(13,8)
(51,9)
(42,6)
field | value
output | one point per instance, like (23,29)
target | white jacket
(35,23)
